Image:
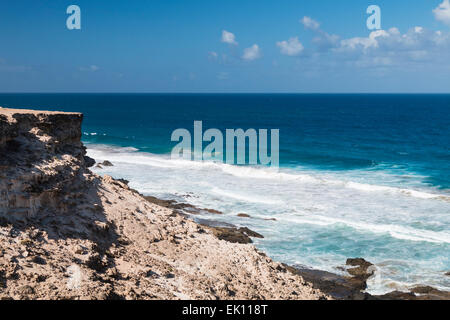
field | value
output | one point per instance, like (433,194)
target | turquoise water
(361,175)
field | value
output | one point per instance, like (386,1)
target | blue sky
(225,46)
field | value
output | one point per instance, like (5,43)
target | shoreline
(204,193)
(68,233)
(339,287)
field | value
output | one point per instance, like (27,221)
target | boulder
(243,215)
(107,163)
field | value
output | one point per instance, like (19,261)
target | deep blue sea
(360,175)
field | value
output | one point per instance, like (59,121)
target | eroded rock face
(361,271)
(67,233)
(41,155)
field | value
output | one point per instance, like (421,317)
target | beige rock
(92,237)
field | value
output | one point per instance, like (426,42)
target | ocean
(360,175)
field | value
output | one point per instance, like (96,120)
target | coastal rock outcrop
(41,163)
(67,233)
(342,287)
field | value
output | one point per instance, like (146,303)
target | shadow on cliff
(74,212)
(45,193)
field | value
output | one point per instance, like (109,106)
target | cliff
(66,233)
(42,162)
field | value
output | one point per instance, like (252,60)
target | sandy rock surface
(66,233)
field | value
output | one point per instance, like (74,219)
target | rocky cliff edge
(66,233)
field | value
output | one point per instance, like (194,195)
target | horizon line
(235,93)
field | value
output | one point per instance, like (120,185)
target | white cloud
(228,37)
(381,49)
(416,39)
(252,53)
(291,47)
(310,23)
(354,43)
(442,12)
(418,47)
(364,43)
(323,40)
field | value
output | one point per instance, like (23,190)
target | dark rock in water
(358,262)
(213,223)
(250,233)
(234,235)
(339,287)
(107,163)
(423,290)
(360,272)
(180,207)
(270,219)
(99,166)
(88,161)
(447,273)
(397,295)
(430,293)
(350,288)
(417,293)
(160,202)
(231,235)
(213,211)
(243,215)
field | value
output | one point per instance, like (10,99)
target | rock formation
(66,233)
(42,162)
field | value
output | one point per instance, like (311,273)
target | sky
(209,46)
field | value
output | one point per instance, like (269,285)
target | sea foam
(322,218)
